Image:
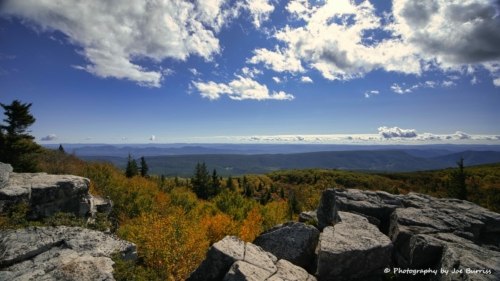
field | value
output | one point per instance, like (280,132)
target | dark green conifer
(132,169)
(144,167)
(17,147)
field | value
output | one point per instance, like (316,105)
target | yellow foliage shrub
(217,227)
(251,226)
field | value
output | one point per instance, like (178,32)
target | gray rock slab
(255,255)
(5,170)
(244,271)
(352,249)
(377,204)
(60,253)
(292,241)
(290,272)
(220,257)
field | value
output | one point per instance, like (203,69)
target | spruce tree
(458,187)
(144,167)
(200,183)
(17,147)
(132,169)
(61,149)
(216,188)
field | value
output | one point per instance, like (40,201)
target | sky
(254,71)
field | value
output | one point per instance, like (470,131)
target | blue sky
(258,71)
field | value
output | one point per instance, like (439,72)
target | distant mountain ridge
(374,161)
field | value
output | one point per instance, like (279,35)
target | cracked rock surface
(60,253)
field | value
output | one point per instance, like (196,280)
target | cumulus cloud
(474,80)
(370,93)
(168,71)
(396,132)
(50,137)
(152,138)
(448,84)
(259,10)
(276,79)
(496,82)
(306,79)
(337,39)
(127,34)
(239,89)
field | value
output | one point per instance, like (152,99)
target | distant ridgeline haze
(239,159)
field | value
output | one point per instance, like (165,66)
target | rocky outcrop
(292,241)
(352,249)
(60,253)
(427,233)
(364,235)
(49,194)
(231,259)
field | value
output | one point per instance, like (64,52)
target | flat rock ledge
(60,253)
(49,194)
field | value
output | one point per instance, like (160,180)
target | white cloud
(276,79)
(115,37)
(89,138)
(124,138)
(496,82)
(474,80)
(168,71)
(194,71)
(152,138)
(421,36)
(461,135)
(239,89)
(448,83)
(251,72)
(454,77)
(259,10)
(278,61)
(371,93)
(306,79)
(396,132)
(397,89)
(50,137)
(430,84)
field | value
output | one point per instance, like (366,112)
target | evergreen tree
(216,188)
(200,183)
(132,169)
(457,187)
(61,149)
(230,184)
(176,181)
(144,167)
(16,145)
(282,193)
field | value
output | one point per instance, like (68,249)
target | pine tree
(61,149)
(458,187)
(216,188)
(16,145)
(144,167)
(200,183)
(132,169)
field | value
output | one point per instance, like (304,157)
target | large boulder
(292,241)
(220,257)
(373,205)
(48,194)
(231,259)
(352,249)
(60,253)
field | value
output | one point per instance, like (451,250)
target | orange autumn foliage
(171,245)
(252,225)
(218,226)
